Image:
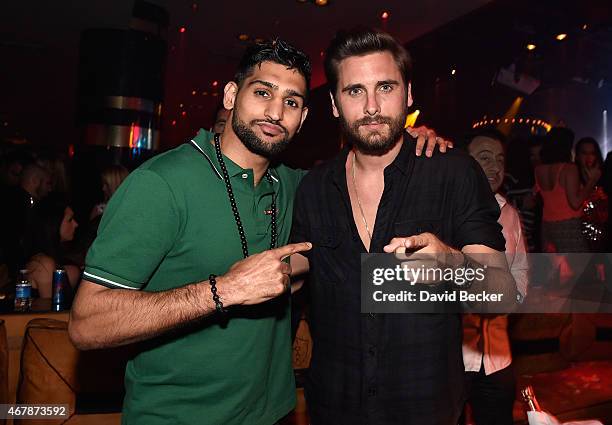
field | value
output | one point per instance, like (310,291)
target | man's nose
(372,106)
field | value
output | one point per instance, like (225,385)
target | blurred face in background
(220,121)
(489,153)
(112,177)
(535,155)
(68,225)
(586,156)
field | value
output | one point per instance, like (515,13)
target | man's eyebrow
(290,92)
(264,83)
(390,82)
(353,86)
(378,84)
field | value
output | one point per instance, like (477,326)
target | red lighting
(184,113)
(215,83)
(71,151)
(193,92)
(182,30)
(173,122)
(385,15)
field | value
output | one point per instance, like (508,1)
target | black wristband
(212,279)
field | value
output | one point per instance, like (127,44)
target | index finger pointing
(293,248)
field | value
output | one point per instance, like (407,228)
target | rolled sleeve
(477,211)
(138,228)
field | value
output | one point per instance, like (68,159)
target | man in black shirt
(378,196)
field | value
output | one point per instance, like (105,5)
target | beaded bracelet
(212,279)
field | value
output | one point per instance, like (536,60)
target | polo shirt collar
(204,142)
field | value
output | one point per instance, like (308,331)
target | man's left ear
(409,100)
(304,113)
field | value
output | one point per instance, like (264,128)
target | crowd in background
(560,189)
(39,228)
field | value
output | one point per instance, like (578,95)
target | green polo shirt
(170,224)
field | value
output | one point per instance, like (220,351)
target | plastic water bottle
(23,292)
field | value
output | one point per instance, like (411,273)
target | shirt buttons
(372,391)
(245,176)
(372,350)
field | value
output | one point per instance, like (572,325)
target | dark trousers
(491,396)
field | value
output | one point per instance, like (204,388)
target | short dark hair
(491,133)
(276,51)
(361,41)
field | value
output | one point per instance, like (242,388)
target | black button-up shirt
(387,368)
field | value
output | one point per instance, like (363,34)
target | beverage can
(59,287)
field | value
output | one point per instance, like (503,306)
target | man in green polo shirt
(191,232)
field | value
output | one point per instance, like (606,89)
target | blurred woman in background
(595,207)
(52,225)
(558,182)
(111,177)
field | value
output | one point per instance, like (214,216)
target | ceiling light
(182,30)
(385,15)
(531,46)
(321,2)
(561,36)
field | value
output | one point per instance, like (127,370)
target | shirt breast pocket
(415,227)
(330,252)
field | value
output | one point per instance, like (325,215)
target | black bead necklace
(232,199)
